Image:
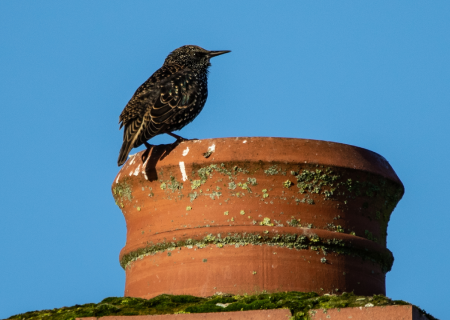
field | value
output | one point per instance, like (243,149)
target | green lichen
(215,194)
(370,195)
(370,236)
(266,222)
(122,191)
(292,241)
(205,173)
(314,181)
(294,222)
(207,154)
(300,304)
(368,191)
(332,227)
(304,200)
(287,184)
(237,169)
(174,185)
(196,184)
(193,196)
(245,186)
(272,170)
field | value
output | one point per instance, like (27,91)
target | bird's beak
(213,54)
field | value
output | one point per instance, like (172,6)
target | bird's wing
(135,114)
(145,94)
(155,105)
(175,94)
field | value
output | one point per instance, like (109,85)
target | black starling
(170,99)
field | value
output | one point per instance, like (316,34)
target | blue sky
(372,74)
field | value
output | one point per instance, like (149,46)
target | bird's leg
(146,152)
(179,139)
(148,145)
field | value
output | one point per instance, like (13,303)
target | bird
(169,100)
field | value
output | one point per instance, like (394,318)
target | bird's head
(192,56)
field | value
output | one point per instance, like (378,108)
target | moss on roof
(299,303)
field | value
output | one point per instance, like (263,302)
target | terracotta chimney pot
(246,215)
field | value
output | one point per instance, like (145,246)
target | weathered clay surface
(242,215)
(277,314)
(373,313)
(249,269)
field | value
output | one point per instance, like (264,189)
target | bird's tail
(124,151)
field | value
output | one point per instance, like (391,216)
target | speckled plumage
(170,99)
